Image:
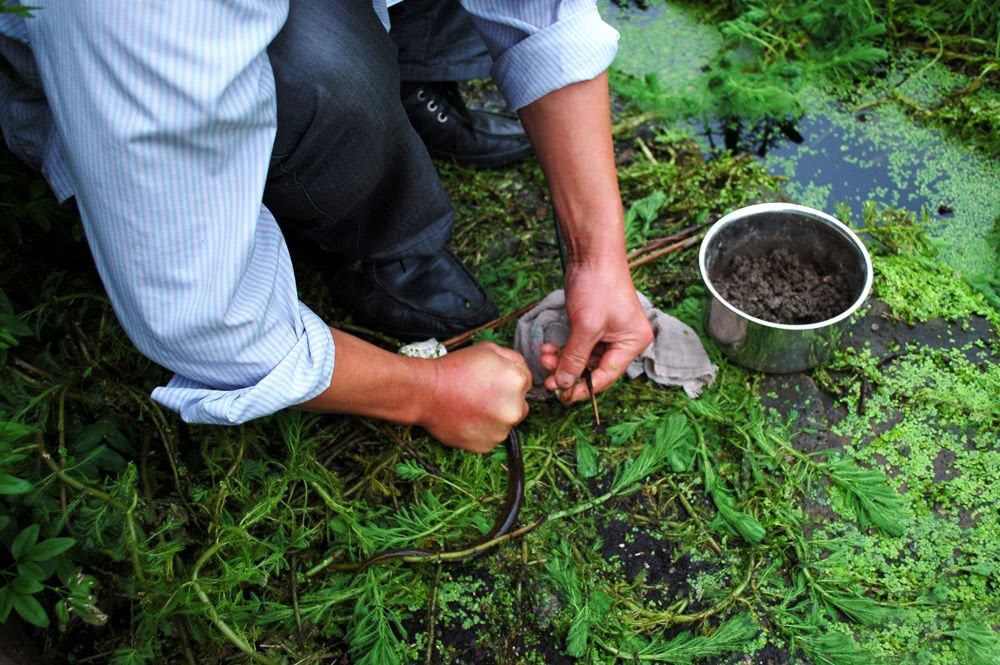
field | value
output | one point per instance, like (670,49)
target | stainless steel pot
(780,348)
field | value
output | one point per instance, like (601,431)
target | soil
(783,287)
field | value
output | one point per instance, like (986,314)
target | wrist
(423,388)
(596,242)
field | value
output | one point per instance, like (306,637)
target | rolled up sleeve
(541,46)
(166,117)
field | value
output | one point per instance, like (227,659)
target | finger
(613,364)
(509,354)
(577,393)
(576,353)
(548,361)
(550,348)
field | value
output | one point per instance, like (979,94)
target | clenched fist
(478,397)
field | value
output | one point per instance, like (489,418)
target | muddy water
(833,155)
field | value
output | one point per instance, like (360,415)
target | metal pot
(780,348)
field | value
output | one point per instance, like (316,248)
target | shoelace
(432,105)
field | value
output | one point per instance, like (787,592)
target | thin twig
(669,249)
(295,600)
(458,340)
(432,617)
(656,243)
(629,124)
(645,150)
(59,473)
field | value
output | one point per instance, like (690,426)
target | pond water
(834,155)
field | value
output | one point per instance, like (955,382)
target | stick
(669,249)
(656,243)
(458,340)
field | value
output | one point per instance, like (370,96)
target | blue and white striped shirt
(159,117)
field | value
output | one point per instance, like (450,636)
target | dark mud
(783,287)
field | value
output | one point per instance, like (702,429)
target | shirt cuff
(576,48)
(302,374)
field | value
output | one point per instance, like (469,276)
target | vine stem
(694,516)
(223,627)
(455,555)
(666,618)
(61,474)
(132,540)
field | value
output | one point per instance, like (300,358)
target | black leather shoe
(452,131)
(413,298)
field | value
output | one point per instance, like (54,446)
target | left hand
(605,318)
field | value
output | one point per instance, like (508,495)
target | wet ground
(833,154)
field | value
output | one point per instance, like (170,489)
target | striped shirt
(159,117)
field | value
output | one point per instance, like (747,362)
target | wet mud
(783,287)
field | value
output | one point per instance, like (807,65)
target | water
(832,154)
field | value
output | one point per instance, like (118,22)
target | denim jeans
(348,173)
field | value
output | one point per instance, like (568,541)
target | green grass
(682,531)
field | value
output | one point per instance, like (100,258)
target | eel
(504,522)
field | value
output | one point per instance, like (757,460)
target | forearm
(370,381)
(571,131)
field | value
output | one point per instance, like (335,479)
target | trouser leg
(348,173)
(438,42)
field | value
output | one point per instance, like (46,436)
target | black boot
(452,131)
(413,298)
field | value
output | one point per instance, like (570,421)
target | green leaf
(858,608)
(62,614)
(745,525)
(873,500)
(671,436)
(980,643)
(24,542)
(831,648)
(11,431)
(31,610)
(12,485)
(586,458)
(6,603)
(734,635)
(410,471)
(640,216)
(50,549)
(88,612)
(93,434)
(31,569)
(4,521)
(26,585)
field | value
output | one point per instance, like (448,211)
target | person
(186,131)
(438,47)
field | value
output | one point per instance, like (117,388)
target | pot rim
(817,215)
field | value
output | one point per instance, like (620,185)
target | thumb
(574,356)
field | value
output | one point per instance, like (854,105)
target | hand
(478,397)
(605,318)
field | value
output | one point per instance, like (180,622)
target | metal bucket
(780,348)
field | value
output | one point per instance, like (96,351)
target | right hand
(478,397)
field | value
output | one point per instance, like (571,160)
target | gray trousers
(437,42)
(348,175)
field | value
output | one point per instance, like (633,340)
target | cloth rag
(676,356)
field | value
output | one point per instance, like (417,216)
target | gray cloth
(675,358)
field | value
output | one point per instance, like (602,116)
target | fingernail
(565,379)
